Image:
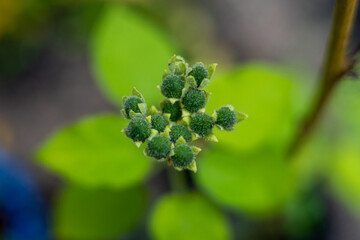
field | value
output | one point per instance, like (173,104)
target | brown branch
(336,64)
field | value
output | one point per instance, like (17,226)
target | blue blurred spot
(23,209)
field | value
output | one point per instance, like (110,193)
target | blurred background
(66,171)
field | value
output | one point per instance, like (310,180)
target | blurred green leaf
(248,170)
(92,214)
(344,175)
(257,182)
(188,217)
(343,132)
(267,94)
(128,50)
(310,161)
(345,105)
(344,164)
(94,152)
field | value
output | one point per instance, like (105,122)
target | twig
(336,64)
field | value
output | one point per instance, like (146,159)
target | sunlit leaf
(267,94)
(257,182)
(344,164)
(128,50)
(344,175)
(97,213)
(345,105)
(187,217)
(309,162)
(94,152)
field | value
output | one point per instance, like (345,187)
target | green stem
(336,64)
(177,180)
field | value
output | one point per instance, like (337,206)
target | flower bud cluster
(181,118)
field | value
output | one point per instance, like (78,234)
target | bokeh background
(66,171)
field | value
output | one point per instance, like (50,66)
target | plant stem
(336,64)
(177,180)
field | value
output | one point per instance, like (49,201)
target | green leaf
(344,166)
(345,105)
(266,94)
(186,217)
(257,182)
(344,175)
(94,152)
(128,51)
(97,213)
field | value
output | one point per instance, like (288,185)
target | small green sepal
(146,153)
(133,114)
(124,99)
(194,136)
(153,110)
(203,110)
(177,65)
(204,83)
(123,112)
(136,93)
(207,96)
(191,81)
(185,113)
(165,73)
(240,116)
(192,167)
(186,119)
(166,134)
(142,107)
(211,138)
(173,100)
(153,133)
(211,69)
(180,140)
(196,150)
(167,116)
(231,107)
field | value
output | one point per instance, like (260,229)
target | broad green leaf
(267,94)
(187,216)
(344,166)
(129,51)
(92,214)
(257,182)
(94,152)
(310,161)
(344,174)
(345,105)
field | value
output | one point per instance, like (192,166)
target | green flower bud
(158,147)
(131,103)
(194,100)
(225,118)
(177,65)
(138,129)
(177,131)
(172,86)
(202,124)
(182,156)
(173,109)
(185,105)
(199,72)
(158,122)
